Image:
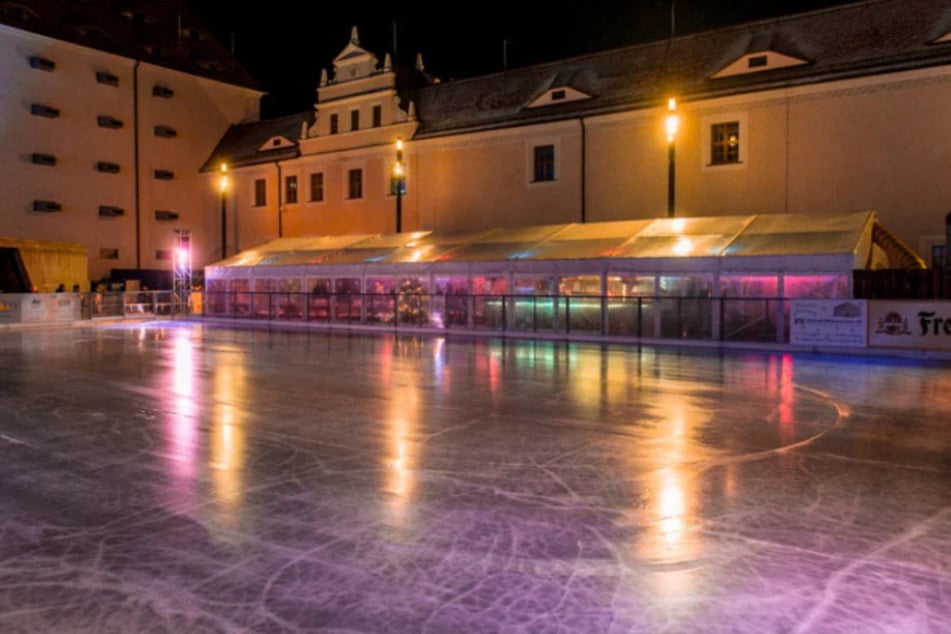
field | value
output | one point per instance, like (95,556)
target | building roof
(160,32)
(245,143)
(848,41)
(854,40)
(780,237)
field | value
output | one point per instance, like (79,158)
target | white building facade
(104,150)
(830,111)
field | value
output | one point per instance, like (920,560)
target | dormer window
(276,143)
(562,94)
(758,62)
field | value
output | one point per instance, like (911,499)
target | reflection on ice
(178,478)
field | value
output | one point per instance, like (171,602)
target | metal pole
(399,185)
(224,225)
(671,171)
(399,206)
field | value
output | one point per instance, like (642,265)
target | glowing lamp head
(673,121)
(223,178)
(399,145)
(181,256)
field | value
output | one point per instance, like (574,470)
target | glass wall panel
(413,301)
(816,286)
(288,298)
(630,305)
(263,288)
(749,286)
(531,307)
(347,300)
(319,301)
(488,303)
(216,298)
(750,318)
(685,305)
(451,302)
(749,307)
(240,297)
(381,300)
(579,285)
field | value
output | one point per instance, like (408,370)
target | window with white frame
(316,187)
(290,189)
(354,184)
(260,192)
(544,163)
(725,141)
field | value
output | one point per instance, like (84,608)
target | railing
(128,304)
(686,318)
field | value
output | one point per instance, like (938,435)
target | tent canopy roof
(677,238)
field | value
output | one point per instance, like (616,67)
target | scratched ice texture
(177,478)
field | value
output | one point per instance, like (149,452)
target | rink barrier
(760,320)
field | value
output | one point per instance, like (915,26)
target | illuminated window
(725,143)
(334,125)
(354,120)
(317,187)
(544,163)
(260,192)
(377,116)
(290,189)
(355,183)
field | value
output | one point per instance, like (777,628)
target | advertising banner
(909,324)
(828,322)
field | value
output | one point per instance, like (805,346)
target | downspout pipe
(584,153)
(280,201)
(135,165)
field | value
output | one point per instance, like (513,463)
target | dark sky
(285,44)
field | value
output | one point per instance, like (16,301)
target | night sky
(285,46)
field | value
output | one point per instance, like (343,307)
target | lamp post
(398,180)
(223,188)
(673,122)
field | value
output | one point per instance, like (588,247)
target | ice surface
(179,478)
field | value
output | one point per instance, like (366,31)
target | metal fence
(688,318)
(130,304)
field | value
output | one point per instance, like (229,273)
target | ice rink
(178,478)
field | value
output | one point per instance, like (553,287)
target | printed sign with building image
(835,322)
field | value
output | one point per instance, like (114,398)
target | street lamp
(673,122)
(223,187)
(399,179)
